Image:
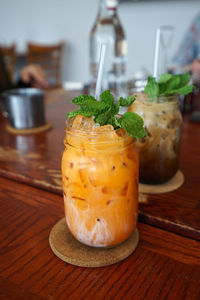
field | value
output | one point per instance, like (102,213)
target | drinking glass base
(68,249)
(173,184)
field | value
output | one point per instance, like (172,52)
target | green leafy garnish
(152,88)
(105,111)
(133,124)
(165,77)
(88,106)
(168,84)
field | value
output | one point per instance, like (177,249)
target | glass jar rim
(93,132)
(157,99)
(105,136)
(164,99)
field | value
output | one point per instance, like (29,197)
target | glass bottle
(100,185)
(108,29)
(159,151)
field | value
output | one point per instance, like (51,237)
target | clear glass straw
(100,71)
(156,56)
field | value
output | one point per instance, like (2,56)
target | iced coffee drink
(159,151)
(100,182)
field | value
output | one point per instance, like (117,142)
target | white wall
(49,21)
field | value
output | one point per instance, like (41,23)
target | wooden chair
(49,58)
(9,54)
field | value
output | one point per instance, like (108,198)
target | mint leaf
(152,88)
(164,78)
(171,84)
(185,90)
(133,124)
(182,91)
(163,81)
(184,79)
(82,99)
(117,106)
(126,101)
(103,117)
(73,113)
(89,106)
(107,97)
(85,113)
(162,88)
(89,103)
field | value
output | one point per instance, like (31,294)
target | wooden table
(36,160)
(166,264)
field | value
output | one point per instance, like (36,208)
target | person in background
(187,58)
(30,76)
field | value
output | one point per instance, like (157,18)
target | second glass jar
(159,150)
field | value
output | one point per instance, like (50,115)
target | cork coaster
(34,130)
(67,248)
(166,187)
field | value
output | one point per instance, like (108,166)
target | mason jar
(100,185)
(159,151)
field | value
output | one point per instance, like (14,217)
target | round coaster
(42,128)
(166,187)
(67,248)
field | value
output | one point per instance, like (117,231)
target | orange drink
(100,183)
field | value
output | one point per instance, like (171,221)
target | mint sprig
(168,84)
(152,88)
(88,106)
(105,111)
(133,124)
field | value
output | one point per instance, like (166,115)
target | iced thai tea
(100,182)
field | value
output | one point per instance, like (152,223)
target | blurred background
(52,21)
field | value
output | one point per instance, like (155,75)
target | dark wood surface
(164,266)
(35,160)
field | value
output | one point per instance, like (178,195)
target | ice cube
(96,125)
(104,128)
(82,123)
